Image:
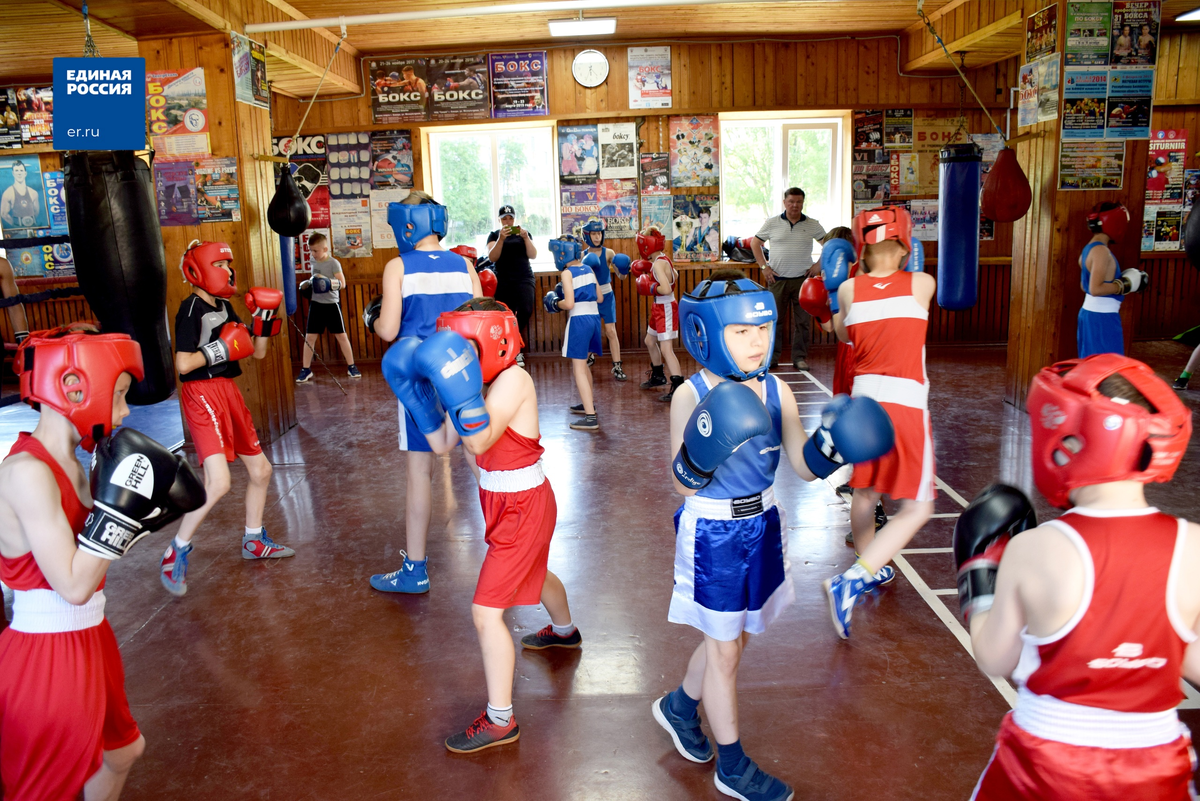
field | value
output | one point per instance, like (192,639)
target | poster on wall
(898,128)
(35,108)
(1027,95)
(656,173)
(518,84)
(458,88)
(931,134)
(991,144)
(1085,96)
(695,151)
(1168,222)
(656,212)
(22,196)
(618,199)
(349,157)
(578,154)
(924,219)
(399,92)
(904,174)
(56,202)
(872,181)
(649,77)
(175,193)
(1088,26)
(308,166)
(1041,33)
(1191,188)
(1134,33)
(177,114)
(868,130)
(381,232)
(696,230)
(217,196)
(1048,72)
(1091,165)
(10,120)
(46,261)
(1130,93)
(577,205)
(350,222)
(1164,174)
(618,150)
(249,71)
(391,159)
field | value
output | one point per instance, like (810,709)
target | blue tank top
(435,281)
(1087,274)
(604,274)
(751,468)
(584,282)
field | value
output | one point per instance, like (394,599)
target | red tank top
(23,572)
(887,326)
(1123,650)
(511,452)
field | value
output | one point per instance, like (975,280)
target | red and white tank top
(512,464)
(887,326)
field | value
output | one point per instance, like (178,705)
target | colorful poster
(1164,175)
(56,202)
(1168,222)
(249,71)
(350,223)
(381,232)
(696,233)
(1088,25)
(47,261)
(656,212)
(1027,95)
(618,199)
(35,108)
(1129,99)
(649,77)
(656,173)
(177,113)
(458,88)
(22,197)
(695,151)
(618,150)
(1041,33)
(579,205)
(308,166)
(1134,33)
(518,84)
(898,128)
(1191,188)
(175,193)
(871,180)
(924,218)
(1091,165)
(391,159)
(578,154)
(399,92)
(1085,94)
(217,195)
(868,130)
(1049,69)
(10,120)
(931,134)
(349,157)
(991,144)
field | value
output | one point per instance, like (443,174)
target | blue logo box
(99,103)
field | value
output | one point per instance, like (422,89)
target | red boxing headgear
(465,251)
(872,226)
(493,332)
(47,358)
(1112,221)
(1114,440)
(200,271)
(650,241)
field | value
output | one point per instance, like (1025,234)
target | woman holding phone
(510,248)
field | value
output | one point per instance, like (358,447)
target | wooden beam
(99,23)
(325,33)
(202,13)
(919,25)
(301,63)
(968,43)
(1177,101)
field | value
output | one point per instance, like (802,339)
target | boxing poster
(868,130)
(898,128)
(1088,25)
(399,92)
(1091,165)
(931,134)
(382,235)
(35,108)
(458,88)
(349,171)
(1048,72)
(1085,95)
(22,197)
(391,159)
(10,120)
(350,224)
(46,261)
(249,71)
(655,170)
(618,199)
(175,193)
(618,150)
(695,151)
(1168,222)
(308,166)
(1191,189)
(1027,95)
(924,215)
(177,114)
(1164,174)
(1129,100)
(56,202)
(217,195)
(649,77)
(656,212)
(871,180)
(1134,33)
(578,155)
(577,205)
(303,253)
(518,84)
(1041,33)
(696,229)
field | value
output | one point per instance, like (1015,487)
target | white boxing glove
(1132,281)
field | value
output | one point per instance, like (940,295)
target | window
(476,172)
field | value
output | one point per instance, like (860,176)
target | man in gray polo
(791,235)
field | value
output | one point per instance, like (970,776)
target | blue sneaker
(843,592)
(411,578)
(305,376)
(353,372)
(885,575)
(754,784)
(689,740)
(173,569)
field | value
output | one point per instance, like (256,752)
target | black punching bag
(1191,236)
(288,214)
(119,261)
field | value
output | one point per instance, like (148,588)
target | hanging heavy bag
(288,214)
(287,250)
(1006,192)
(958,226)
(119,261)
(1191,236)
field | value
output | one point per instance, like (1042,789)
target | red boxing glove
(641,267)
(466,251)
(264,302)
(231,344)
(814,299)
(487,282)
(647,284)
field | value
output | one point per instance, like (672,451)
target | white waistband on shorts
(890,389)
(584,307)
(606,289)
(519,480)
(723,508)
(47,612)
(1091,727)
(1104,305)
(664,299)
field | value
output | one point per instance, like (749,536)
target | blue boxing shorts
(411,438)
(1099,332)
(731,568)
(608,304)
(583,336)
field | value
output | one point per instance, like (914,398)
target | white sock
(253,532)
(857,571)
(563,631)
(500,717)
(179,543)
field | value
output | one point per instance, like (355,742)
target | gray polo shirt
(791,245)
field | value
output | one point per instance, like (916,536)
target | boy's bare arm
(794,436)
(387,327)
(511,390)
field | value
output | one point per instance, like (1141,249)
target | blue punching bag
(958,226)
(287,249)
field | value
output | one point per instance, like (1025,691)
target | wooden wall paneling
(743,75)
(784,74)
(682,90)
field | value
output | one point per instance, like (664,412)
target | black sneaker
(657,379)
(591,359)
(880,516)
(1180,383)
(483,734)
(618,372)
(546,638)
(752,784)
(676,383)
(578,409)
(588,422)
(689,739)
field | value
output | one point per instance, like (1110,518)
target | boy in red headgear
(655,277)
(1094,615)
(210,340)
(1106,284)
(519,509)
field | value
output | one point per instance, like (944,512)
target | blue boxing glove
(592,262)
(836,257)
(622,263)
(852,431)
(916,259)
(552,298)
(729,416)
(449,362)
(415,392)
(321,285)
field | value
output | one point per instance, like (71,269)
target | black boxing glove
(983,530)
(371,312)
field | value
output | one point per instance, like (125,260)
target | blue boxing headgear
(425,219)
(565,251)
(592,227)
(706,310)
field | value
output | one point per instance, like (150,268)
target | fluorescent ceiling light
(1191,16)
(592,26)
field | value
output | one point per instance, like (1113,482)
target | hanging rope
(319,83)
(89,44)
(937,38)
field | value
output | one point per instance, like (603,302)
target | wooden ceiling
(37,31)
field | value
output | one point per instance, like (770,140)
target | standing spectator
(510,248)
(791,235)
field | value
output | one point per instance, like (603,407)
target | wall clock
(590,68)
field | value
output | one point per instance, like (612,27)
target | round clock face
(590,68)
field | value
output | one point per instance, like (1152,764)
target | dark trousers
(791,318)
(518,296)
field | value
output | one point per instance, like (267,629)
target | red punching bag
(1006,192)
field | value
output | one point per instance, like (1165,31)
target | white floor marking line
(818,383)
(945,592)
(946,488)
(946,515)
(928,550)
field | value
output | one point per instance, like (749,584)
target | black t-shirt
(513,264)
(196,324)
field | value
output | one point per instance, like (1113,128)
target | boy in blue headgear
(728,424)
(602,259)
(578,294)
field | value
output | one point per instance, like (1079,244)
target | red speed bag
(1006,192)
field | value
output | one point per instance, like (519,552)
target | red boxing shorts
(843,369)
(62,703)
(519,526)
(217,416)
(1025,766)
(664,321)
(907,471)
